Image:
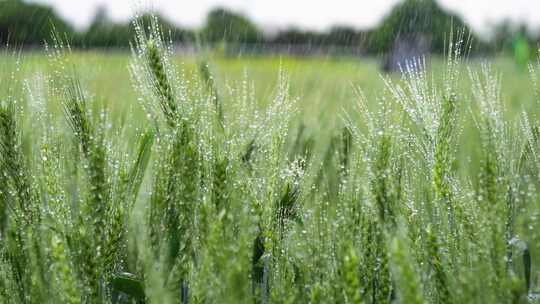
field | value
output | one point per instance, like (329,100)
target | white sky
(308,14)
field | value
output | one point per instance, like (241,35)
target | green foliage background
(30,24)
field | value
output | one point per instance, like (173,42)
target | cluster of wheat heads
(216,200)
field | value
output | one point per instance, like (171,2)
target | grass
(137,179)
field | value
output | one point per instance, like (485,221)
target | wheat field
(153,178)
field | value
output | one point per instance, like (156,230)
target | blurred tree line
(29,24)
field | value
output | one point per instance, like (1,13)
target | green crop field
(156,178)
